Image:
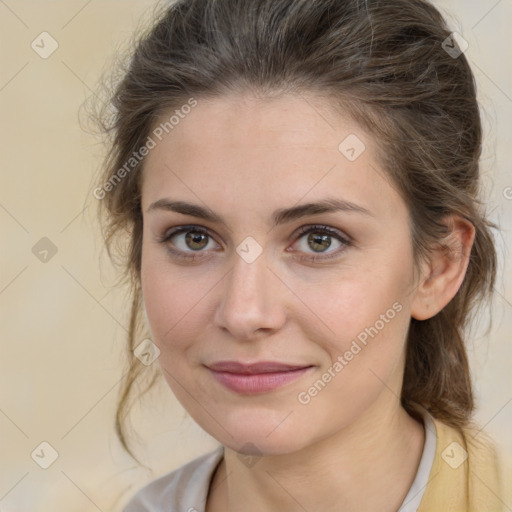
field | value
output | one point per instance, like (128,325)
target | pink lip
(256,378)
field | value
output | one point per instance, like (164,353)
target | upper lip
(252,368)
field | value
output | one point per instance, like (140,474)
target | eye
(319,239)
(192,242)
(189,241)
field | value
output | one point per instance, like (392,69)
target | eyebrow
(280,216)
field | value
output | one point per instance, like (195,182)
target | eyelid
(297,235)
(344,240)
(178,230)
(308,228)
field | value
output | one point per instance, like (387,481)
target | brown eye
(196,240)
(188,241)
(316,241)
(319,243)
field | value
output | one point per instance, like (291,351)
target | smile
(251,379)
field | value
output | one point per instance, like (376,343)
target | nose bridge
(250,300)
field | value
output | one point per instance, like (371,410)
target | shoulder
(490,477)
(183,489)
(465,474)
(468,447)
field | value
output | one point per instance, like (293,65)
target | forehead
(280,149)
(245,121)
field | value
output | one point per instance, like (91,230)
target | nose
(252,300)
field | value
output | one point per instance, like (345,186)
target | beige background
(63,326)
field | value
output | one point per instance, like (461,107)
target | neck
(375,457)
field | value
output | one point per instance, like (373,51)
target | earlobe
(444,273)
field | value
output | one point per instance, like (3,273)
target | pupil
(320,241)
(195,239)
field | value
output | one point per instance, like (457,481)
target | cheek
(351,307)
(171,298)
(368,321)
(179,303)
(365,319)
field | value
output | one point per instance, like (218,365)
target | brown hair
(384,62)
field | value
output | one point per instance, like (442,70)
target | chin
(258,435)
(259,446)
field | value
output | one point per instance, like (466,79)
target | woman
(299,182)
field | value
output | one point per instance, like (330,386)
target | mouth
(256,378)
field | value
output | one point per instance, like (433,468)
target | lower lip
(252,384)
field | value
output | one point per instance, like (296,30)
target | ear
(442,276)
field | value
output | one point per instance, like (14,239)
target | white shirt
(186,488)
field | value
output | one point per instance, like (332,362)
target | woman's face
(278,324)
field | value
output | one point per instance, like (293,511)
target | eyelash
(303,231)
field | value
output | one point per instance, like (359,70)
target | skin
(243,158)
